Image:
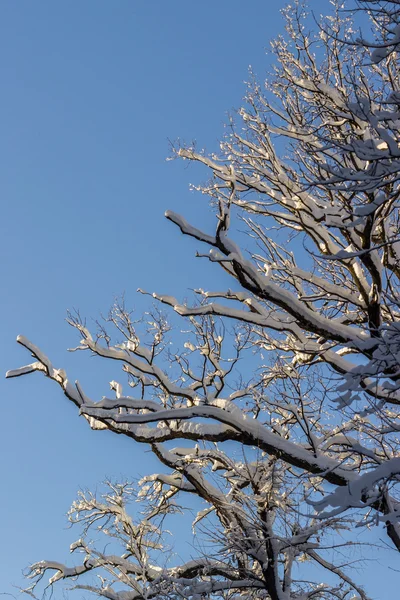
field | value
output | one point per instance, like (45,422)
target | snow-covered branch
(282,394)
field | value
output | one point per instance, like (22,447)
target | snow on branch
(273,406)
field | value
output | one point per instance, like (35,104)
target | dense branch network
(312,322)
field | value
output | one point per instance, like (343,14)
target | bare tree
(299,441)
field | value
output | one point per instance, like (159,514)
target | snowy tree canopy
(303,444)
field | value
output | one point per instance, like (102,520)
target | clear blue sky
(91,93)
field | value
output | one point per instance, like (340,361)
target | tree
(303,443)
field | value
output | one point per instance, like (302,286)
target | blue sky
(91,93)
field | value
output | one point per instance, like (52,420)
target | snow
(317,418)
